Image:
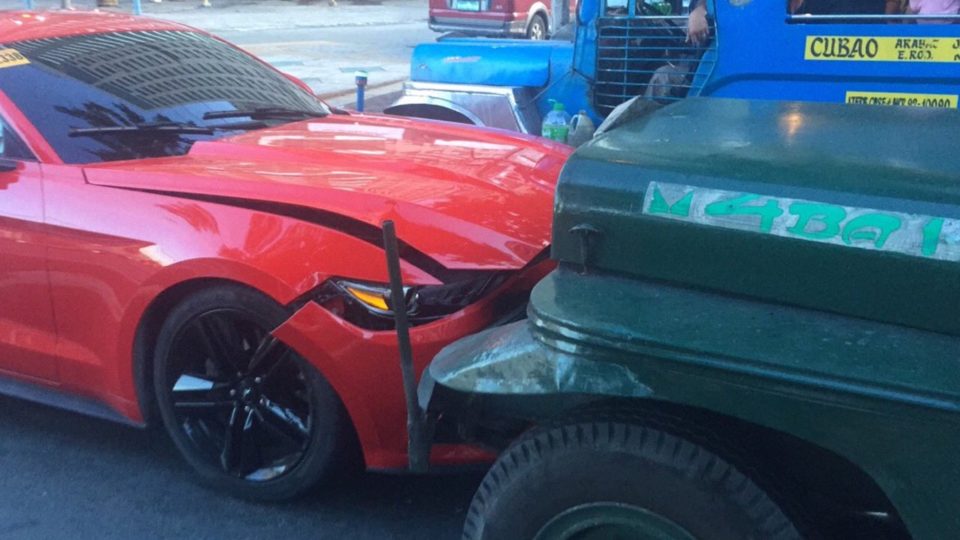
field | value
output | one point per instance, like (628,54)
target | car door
(27,331)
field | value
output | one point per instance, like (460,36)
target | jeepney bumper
(478,27)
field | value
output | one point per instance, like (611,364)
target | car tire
(267,430)
(619,480)
(537,30)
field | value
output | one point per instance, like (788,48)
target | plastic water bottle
(556,124)
(581,129)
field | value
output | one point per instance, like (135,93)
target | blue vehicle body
(541,65)
(756,51)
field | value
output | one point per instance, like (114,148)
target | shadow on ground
(69,475)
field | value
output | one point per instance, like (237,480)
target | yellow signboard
(882,49)
(937,101)
(10,58)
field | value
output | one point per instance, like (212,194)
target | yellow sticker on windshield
(897,99)
(10,58)
(882,49)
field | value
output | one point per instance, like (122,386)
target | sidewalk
(320,43)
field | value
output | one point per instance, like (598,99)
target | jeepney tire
(329,453)
(555,482)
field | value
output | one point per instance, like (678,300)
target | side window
(11,146)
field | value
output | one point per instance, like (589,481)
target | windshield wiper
(265,113)
(156,127)
(167,127)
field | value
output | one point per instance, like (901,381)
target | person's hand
(697,28)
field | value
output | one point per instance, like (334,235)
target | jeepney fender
(483,62)
(407,100)
(508,360)
(486,106)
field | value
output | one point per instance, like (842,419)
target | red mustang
(186,231)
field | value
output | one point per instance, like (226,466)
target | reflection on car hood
(468,198)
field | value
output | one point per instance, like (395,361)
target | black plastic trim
(56,398)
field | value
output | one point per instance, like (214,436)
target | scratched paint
(863,228)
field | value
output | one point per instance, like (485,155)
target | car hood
(467,198)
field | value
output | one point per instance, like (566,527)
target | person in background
(934,7)
(897,7)
(698,31)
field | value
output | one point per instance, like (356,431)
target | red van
(511,18)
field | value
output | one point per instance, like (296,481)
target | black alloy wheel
(245,410)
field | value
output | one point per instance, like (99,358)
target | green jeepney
(753,332)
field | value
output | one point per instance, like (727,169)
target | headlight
(369,305)
(375,297)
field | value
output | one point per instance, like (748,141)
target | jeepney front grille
(646,55)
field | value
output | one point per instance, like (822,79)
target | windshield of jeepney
(140,78)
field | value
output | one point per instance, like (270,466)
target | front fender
(510,360)
(169,250)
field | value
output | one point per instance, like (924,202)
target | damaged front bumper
(496,382)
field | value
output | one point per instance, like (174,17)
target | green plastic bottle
(556,125)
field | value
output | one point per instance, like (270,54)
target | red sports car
(188,232)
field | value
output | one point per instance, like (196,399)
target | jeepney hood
(849,209)
(517,63)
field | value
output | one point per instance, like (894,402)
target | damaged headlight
(369,305)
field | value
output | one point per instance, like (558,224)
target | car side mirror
(7,165)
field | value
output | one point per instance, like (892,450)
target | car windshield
(136,79)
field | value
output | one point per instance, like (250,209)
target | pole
(556,16)
(416,419)
(361,79)
(28,4)
(137,8)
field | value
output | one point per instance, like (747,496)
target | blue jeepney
(757,50)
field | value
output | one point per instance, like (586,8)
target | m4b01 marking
(864,228)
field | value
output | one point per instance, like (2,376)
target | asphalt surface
(69,476)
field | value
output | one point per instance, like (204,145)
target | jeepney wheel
(249,415)
(538,28)
(613,481)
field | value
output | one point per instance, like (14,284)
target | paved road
(68,476)
(327,57)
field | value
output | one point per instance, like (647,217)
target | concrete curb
(342,98)
(372,90)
